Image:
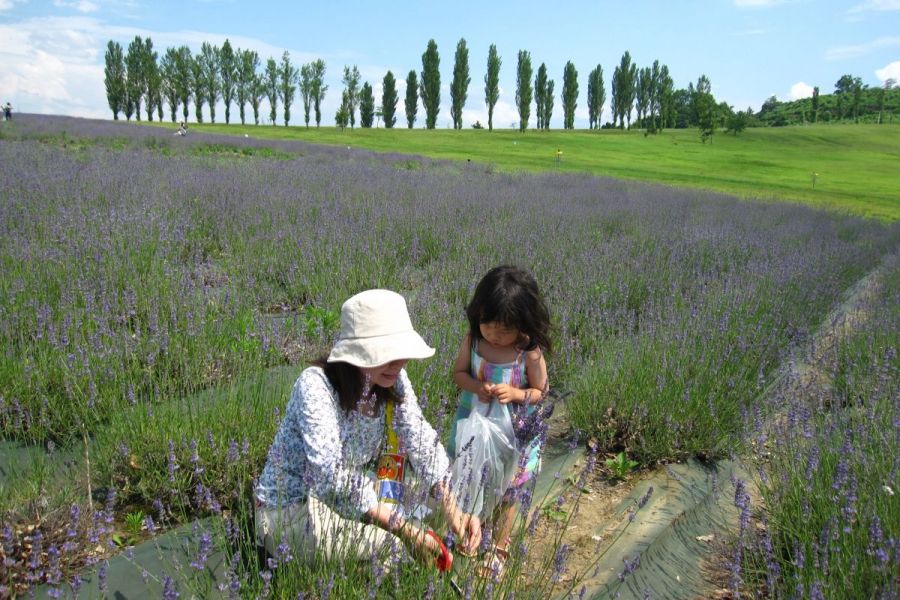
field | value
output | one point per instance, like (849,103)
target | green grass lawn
(857,165)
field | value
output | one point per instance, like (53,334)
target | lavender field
(140,273)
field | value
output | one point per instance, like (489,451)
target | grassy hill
(856,165)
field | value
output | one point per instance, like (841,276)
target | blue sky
(51,51)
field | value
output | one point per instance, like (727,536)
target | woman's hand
(468,529)
(423,546)
(471,536)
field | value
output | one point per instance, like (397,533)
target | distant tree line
(644,97)
(851,101)
(138,78)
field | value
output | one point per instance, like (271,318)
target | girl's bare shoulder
(535,354)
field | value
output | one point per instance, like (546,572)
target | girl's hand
(505,393)
(486,392)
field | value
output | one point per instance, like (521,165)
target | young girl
(502,358)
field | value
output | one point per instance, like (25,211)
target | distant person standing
(7,112)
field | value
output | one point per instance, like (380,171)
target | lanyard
(389,475)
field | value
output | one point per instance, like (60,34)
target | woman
(347,412)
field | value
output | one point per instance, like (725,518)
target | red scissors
(445,560)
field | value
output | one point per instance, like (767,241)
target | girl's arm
(536,372)
(461,372)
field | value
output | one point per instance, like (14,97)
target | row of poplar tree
(137,77)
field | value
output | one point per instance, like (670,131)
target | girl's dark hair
(510,295)
(347,381)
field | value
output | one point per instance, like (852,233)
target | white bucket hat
(375,330)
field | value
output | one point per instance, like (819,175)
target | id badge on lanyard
(389,474)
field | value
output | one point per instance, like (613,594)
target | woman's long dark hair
(510,295)
(347,381)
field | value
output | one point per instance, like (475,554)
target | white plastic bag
(486,458)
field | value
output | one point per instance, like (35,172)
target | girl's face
(498,334)
(385,375)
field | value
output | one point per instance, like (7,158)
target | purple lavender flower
(559,562)
(169,590)
(204,547)
(643,501)
(101,577)
(232,456)
(172,464)
(195,458)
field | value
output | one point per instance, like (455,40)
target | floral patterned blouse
(322,450)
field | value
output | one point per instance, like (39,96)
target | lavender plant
(831,519)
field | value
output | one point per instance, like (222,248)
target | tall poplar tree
(411,105)
(815,104)
(642,94)
(492,83)
(135,82)
(198,75)
(306,90)
(168,70)
(524,90)
(182,79)
(366,106)
(698,94)
(152,80)
(549,101)
(351,85)
(318,88)
(389,100)
(569,95)
(459,87)
(270,85)
(228,69)
(540,95)
(666,98)
(114,78)
(342,116)
(287,84)
(596,97)
(257,90)
(623,89)
(212,78)
(248,63)
(654,102)
(430,84)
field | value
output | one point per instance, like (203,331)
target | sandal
(492,564)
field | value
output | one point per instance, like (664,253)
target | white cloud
(890,71)
(8,4)
(55,64)
(800,90)
(84,6)
(875,5)
(855,51)
(755,3)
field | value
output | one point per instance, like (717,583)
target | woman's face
(385,375)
